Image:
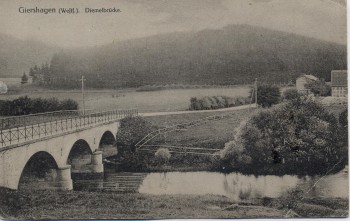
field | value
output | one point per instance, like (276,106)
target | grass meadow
(213,134)
(145,101)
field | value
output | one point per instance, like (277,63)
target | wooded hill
(17,56)
(235,54)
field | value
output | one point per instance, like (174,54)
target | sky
(321,19)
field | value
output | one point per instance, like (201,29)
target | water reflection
(234,185)
(238,186)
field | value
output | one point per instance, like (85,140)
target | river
(234,185)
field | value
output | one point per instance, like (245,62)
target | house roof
(309,76)
(339,78)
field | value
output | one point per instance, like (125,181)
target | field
(146,101)
(213,134)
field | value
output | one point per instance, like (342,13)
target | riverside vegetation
(310,140)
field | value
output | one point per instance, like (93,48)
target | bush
(298,136)
(343,119)
(216,102)
(131,130)
(162,156)
(68,104)
(343,123)
(268,95)
(319,88)
(291,94)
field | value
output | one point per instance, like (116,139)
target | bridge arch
(79,155)
(107,144)
(38,172)
(85,163)
(107,138)
(79,146)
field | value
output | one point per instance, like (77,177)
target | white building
(302,81)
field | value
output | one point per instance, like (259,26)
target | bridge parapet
(18,130)
(29,119)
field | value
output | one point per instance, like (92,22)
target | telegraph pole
(256,92)
(82,92)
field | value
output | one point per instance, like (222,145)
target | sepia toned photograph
(173,109)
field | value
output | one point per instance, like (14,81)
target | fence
(15,130)
(23,120)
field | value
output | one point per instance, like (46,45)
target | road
(198,111)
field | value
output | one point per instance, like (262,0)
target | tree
(290,94)
(268,95)
(343,123)
(132,130)
(24,79)
(343,118)
(296,136)
(162,156)
(319,87)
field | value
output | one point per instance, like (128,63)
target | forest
(236,54)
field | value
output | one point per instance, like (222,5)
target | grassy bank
(109,205)
(213,134)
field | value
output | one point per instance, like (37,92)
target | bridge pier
(88,167)
(63,178)
(96,162)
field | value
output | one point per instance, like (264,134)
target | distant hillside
(233,55)
(17,56)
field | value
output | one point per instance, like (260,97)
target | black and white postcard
(173,109)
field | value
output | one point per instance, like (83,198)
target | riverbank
(110,205)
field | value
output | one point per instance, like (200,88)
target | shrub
(268,95)
(230,101)
(343,118)
(295,137)
(206,103)
(220,101)
(131,130)
(343,123)
(240,101)
(319,87)
(290,94)
(68,104)
(162,156)
(216,102)
(195,104)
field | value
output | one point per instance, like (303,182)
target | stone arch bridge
(54,147)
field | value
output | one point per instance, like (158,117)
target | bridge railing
(19,134)
(23,120)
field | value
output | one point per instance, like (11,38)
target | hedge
(26,105)
(216,102)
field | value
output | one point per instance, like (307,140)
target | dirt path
(199,111)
